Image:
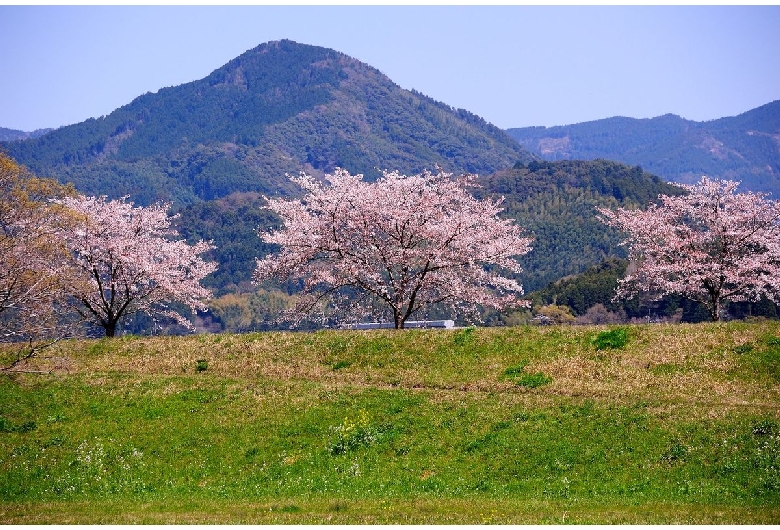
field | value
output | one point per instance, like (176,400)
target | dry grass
(661,363)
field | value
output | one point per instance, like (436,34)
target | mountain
(10,135)
(744,147)
(279,108)
(214,146)
(556,202)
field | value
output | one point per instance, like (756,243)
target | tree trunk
(110,328)
(715,311)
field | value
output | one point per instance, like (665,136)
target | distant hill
(279,108)
(10,135)
(556,202)
(744,147)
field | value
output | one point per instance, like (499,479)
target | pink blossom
(395,246)
(710,245)
(131,262)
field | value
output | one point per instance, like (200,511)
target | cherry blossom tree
(32,258)
(711,245)
(131,262)
(394,247)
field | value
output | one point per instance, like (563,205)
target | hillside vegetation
(637,424)
(556,202)
(279,108)
(744,147)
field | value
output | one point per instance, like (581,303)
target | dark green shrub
(520,377)
(464,336)
(611,339)
(338,365)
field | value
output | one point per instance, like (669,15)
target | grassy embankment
(681,424)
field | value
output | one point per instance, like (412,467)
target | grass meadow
(591,424)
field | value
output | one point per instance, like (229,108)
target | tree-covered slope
(744,147)
(556,202)
(279,108)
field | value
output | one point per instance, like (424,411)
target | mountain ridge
(279,108)
(11,135)
(745,147)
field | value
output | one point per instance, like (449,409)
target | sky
(515,66)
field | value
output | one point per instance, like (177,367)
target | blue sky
(515,66)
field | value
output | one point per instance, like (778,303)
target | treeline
(575,263)
(554,201)
(570,274)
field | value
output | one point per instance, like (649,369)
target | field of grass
(638,424)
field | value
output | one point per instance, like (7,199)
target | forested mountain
(9,135)
(279,108)
(556,202)
(744,147)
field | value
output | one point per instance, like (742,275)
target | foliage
(591,298)
(129,261)
(596,285)
(598,314)
(556,201)
(611,339)
(553,314)
(253,311)
(133,434)
(402,243)
(32,257)
(231,223)
(553,201)
(711,245)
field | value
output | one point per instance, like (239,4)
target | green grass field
(639,424)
